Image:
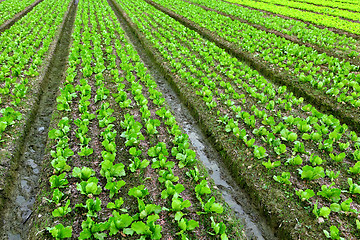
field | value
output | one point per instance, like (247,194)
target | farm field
(92,145)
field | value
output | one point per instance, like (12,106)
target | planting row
(338,79)
(291,147)
(318,9)
(121,165)
(25,50)
(342,5)
(307,33)
(319,19)
(9,8)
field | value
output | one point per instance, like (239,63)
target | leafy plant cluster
(9,9)
(290,137)
(306,32)
(325,20)
(91,61)
(336,78)
(23,49)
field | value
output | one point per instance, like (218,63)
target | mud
(18,209)
(255,225)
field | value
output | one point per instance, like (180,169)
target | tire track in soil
(18,209)
(255,225)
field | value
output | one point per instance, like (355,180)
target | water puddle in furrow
(18,209)
(254,225)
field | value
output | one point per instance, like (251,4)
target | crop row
(307,33)
(309,151)
(24,54)
(318,19)
(342,5)
(115,144)
(317,9)
(9,8)
(338,79)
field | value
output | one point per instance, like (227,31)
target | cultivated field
(91,149)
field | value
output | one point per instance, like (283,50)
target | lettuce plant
(60,232)
(283,178)
(89,187)
(114,187)
(270,165)
(321,212)
(329,193)
(305,195)
(84,173)
(110,170)
(219,229)
(119,222)
(62,211)
(92,206)
(92,229)
(58,181)
(310,173)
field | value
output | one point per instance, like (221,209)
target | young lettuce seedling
(93,229)
(219,229)
(92,206)
(305,195)
(60,232)
(62,211)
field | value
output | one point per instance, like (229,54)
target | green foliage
(321,212)
(89,187)
(114,187)
(57,196)
(355,169)
(58,181)
(84,174)
(283,178)
(259,152)
(309,173)
(160,148)
(353,187)
(60,232)
(219,229)
(62,211)
(332,175)
(212,207)
(138,192)
(119,222)
(334,233)
(332,194)
(280,149)
(110,170)
(116,205)
(338,158)
(305,195)
(172,190)
(271,165)
(92,206)
(92,229)
(297,160)
(178,204)
(315,160)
